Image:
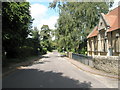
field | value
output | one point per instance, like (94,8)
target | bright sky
(42,14)
(47,16)
(116,4)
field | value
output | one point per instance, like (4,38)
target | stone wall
(107,63)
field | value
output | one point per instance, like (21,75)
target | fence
(106,63)
(88,60)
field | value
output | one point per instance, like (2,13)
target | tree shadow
(32,78)
(37,61)
(63,56)
(34,63)
(45,56)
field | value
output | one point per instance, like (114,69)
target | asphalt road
(54,71)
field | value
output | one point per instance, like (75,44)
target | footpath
(91,70)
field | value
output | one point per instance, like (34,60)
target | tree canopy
(76,20)
(45,37)
(16,24)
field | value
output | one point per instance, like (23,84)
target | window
(101,24)
(117,45)
(95,44)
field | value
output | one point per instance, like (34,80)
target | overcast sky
(47,16)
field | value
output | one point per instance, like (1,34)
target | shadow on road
(32,78)
(42,62)
(37,61)
(63,56)
(45,57)
(60,56)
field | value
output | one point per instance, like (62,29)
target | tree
(45,36)
(75,22)
(16,25)
(45,32)
(36,40)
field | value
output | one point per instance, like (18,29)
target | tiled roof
(93,33)
(112,18)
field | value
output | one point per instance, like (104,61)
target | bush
(21,54)
(83,51)
(60,50)
(44,51)
(25,51)
(73,50)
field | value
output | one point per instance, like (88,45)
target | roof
(111,18)
(93,33)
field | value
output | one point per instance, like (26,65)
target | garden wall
(108,64)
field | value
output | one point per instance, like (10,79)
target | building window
(117,45)
(90,46)
(101,24)
(102,44)
(95,44)
(105,45)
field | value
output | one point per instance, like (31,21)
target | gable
(102,23)
(107,23)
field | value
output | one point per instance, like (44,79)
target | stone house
(105,37)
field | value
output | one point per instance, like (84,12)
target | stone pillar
(70,55)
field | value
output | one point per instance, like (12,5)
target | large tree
(76,20)
(16,24)
(45,37)
(36,40)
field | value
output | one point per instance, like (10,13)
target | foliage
(18,38)
(75,22)
(36,40)
(45,37)
(19,41)
(16,21)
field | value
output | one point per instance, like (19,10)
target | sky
(47,16)
(42,14)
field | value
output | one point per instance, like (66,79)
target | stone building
(105,37)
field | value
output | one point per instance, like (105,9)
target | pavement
(54,71)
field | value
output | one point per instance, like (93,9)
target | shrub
(25,51)
(83,51)
(44,50)
(60,50)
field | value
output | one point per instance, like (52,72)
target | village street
(54,71)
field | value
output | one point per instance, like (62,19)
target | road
(54,71)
